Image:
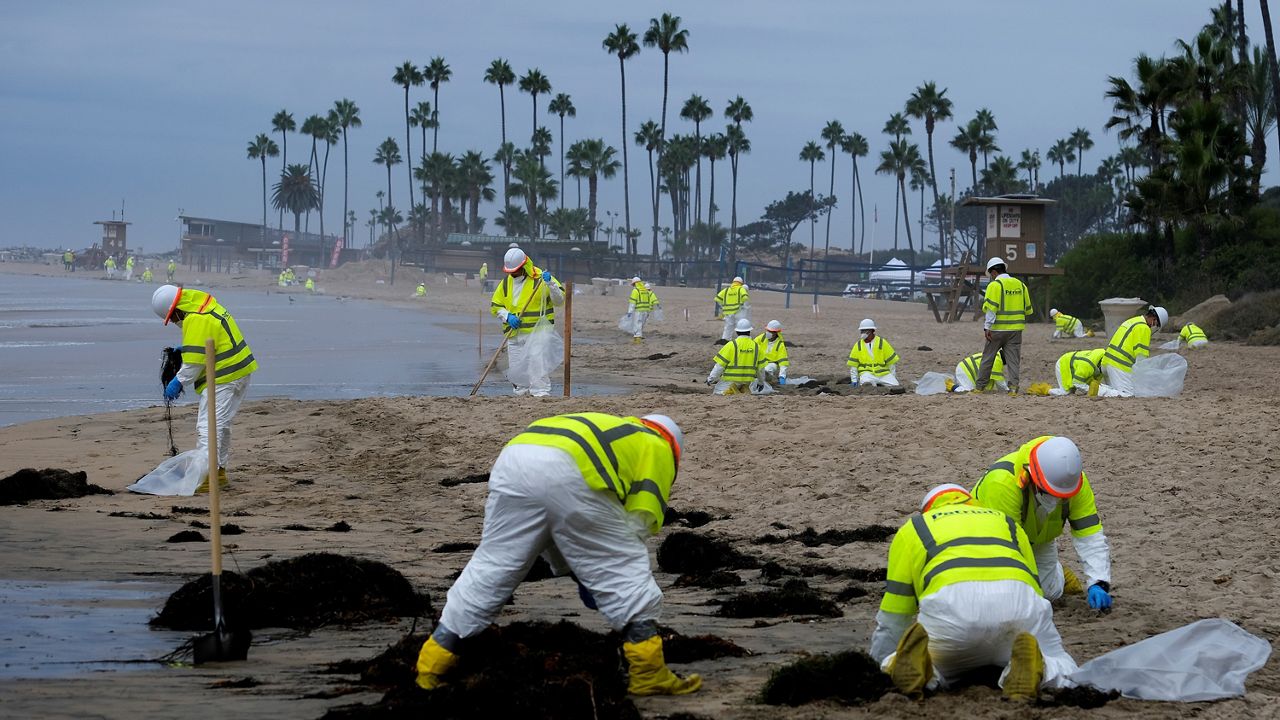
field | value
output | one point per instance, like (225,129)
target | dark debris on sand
(305,592)
(49,484)
(812,538)
(714,580)
(677,648)
(685,552)
(794,598)
(186,536)
(689,518)
(467,480)
(850,677)
(453,547)
(1084,696)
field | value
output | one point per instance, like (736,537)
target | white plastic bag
(760,387)
(1206,660)
(933,383)
(1159,376)
(656,315)
(627,324)
(1171,345)
(179,475)
(542,352)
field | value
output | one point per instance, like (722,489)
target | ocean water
(73,346)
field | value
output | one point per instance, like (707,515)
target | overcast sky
(153,101)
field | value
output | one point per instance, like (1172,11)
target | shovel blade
(222,645)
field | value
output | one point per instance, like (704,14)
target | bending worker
(551,494)
(200,317)
(1008,305)
(735,305)
(967,574)
(1066,326)
(525,297)
(1042,487)
(421,290)
(1079,370)
(1129,343)
(773,354)
(967,374)
(737,364)
(639,305)
(872,358)
(1193,336)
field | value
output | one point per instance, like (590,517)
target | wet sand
(1184,487)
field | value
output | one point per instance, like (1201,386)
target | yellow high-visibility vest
(972,364)
(530,311)
(1191,332)
(877,360)
(1130,341)
(775,352)
(1080,367)
(205,319)
(643,299)
(615,454)
(1010,299)
(740,358)
(732,298)
(1007,487)
(1065,323)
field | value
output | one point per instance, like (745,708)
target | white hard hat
(1056,467)
(1162,315)
(669,426)
(635,279)
(648,286)
(513,260)
(1053,312)
(737,278)
(514,245)
(773,326)
(164,300)
(743,326)
(867,324)
(936,493)
(994,262)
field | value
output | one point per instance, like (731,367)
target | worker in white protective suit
(773,354)
(525,298)
(967,373)
(551,494)
(872,358)
(1130,343)
(1042,487)
(737,364)
(735,304)
(1065,326)
(961,594)
(639,305)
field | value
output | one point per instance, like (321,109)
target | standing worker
(1079,371)
(110,265)
(773,354)
(1193,336)
(967,374)
(128,269)
(1008,305)
(735,305)
(1129,343)
(966,573)
(1042,487)
(484,273)
(310,285)
(550,495)
(526,296)
(200,317)
(872,358)
(173,268)
(737,364)
(639,305)
(1065,326)
(68,259)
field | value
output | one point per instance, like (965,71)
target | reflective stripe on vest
(1116,352)
(932,549)
(731,299)
(745,360)
(1009,318)
(230,364)
(530,314)
(872,365)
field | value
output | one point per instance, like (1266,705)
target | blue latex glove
(1099,599)
(782,379)
(585,595)
(513,321)
(546,278)
(173,389)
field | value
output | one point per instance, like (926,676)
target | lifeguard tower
(113,238)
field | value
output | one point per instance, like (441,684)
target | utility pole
(952,234)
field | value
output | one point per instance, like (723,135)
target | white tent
(896,272)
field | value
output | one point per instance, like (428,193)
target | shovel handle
(211,418)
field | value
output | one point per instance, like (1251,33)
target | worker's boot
(1013,391)
(1071,584)
(1026,669)
(1094,385)
(223,482)
(637,339)
(912,669)
(433,662)
(648,671)
(949,384)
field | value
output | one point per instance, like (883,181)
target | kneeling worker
(1065,326)
(1129,343)
(550,494)
(1080,370)
(968,576)
(737,364)
(773,353)
(967,374)
(1043,488)
(872,358)
(1193,336)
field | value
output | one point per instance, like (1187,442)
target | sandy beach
(1184,486)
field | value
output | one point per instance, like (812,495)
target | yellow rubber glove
(649,674)
(433,661)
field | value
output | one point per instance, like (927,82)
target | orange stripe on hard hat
(176,298)
(666,435)
(1037,476)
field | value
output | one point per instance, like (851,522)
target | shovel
(506,336)
(222,644)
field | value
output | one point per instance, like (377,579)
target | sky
(153,102)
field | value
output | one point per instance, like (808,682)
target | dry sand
(1184,485)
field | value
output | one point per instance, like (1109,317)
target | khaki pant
(1010,342)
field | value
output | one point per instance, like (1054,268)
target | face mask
(867,335)
(1046,501)
(773,336)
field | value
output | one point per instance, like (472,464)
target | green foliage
(1255,318)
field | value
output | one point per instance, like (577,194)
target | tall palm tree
(347,115)
(576,168)
(968,140)
(436,73)
(282,122)
(562,105)
(930,104)
(898,161)
(622,42)
(1081,140)
(295,193)
(812,154)
(473,170)
(388,154)
(406,76)
(697,109)
(856,145)
(422,117)
(1001,176)
(739,111)
(1029,161)
(897,126)
(987,121)
(501,74)
(1271,48)
(1062,152)
(1260,113)
(328,132)
(715,147)
(833,133)
(649,137)
(535,83)
(665,34)
(310,128)
(598,161)
(536,185)
(261,148)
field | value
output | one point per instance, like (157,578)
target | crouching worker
(773,354)
(582,490)
(738,363)
(967,374)
(962,594)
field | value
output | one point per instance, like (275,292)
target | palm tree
(473,171)
(856,145)
(296,193)
(1062,152)
(506,157)
(1132,157)
(422,117)
(833,133)
(715,147)
(535,83)
(597,160)
(987,121)
(898,161)
(346,115)
(968,140)
(622,42)
(406,76)
(897,126)
(697,109)
(1081,140)
(930,104)
(261,148)
(328,131)
(576,169)
(649,137)
(388,154)
(1029,161)
(310,127)
(1271,48)
(665,34)
(562,105)
(812,154)
(1001,176)
(436,73)
(500,74)
(920,181)
(1260,114)
(282,122)
(436,169)
(739,111)
(533,182)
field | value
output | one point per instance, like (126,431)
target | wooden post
(211,420)
(568,336)
(480,333)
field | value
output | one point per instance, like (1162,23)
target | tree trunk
(902,192)
(592,184)
(1271,54)
(324,173)
(733,213)
(862,210)
(814,221)
(506,166)
(653,196)
(435,121)
(626,172)
(346,182)
(697,200)
(408,153)
(562,161)
(830,193)
(973,169)
(897,193)
(711,195)
(264,199)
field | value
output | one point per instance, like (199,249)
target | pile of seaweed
(689,553)
(49,484)
(812,538)
(851,677)
(305,592)
(795,597)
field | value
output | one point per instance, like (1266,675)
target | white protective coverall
(1119,382)
(229,397)
(518,346)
